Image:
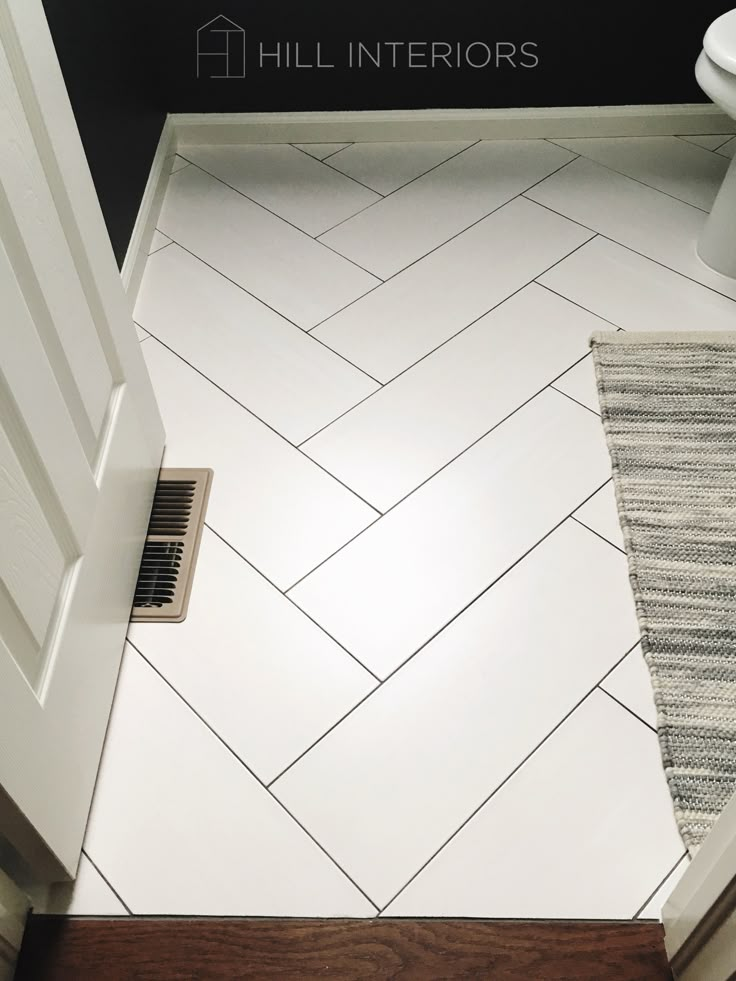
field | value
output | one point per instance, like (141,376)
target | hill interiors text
(400,54)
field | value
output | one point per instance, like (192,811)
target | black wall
(127,63)
(636,51)
(105,51)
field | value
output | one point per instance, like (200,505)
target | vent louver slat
(170,551)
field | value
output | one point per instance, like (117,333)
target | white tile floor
(409,682)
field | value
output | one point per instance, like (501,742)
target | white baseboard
(448,124)
(145,223)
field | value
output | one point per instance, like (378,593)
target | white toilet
(716,74)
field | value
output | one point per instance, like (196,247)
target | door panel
(45,270)
(80,446)
(37,417)
(32,563)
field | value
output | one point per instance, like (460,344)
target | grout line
(563,296)
(329,143)
(447,624)
(342,174)
(326,733)
(452,337)
(161,247)
(281,591)
(286,221)
(637,180)
(147,335)
(627,709)
(654,892)
(349,304)
(457,234)
(621,245)
(495,791)
(107,882)
(400,188)
(269,307)
(443,467)
(332,351)
(262,421)
(397,189)
(576,401)
(248,769)
(318,238)
(335,152)
(715,149)
(718,149)
(598,534)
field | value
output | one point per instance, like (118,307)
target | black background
(128,63)
(107,56)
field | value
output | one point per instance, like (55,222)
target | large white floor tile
(580,384)
(728,149)
(438,205)
(636,293)
(653,909)
(600,513)
(180,826)
(386,788)
(271,682)
(279,264)
(321,150)
(633,215)
(401,321)
(288,182)
(385,447)
(685,171)
(394,586)
(388,166)
(709,142)
(582,830)
(88,895)
(276,507)
(631,684)
(283,375)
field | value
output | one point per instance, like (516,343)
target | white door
(80,445)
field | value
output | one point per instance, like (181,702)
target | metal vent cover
(171,546)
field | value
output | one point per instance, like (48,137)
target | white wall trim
(145,223)
(448,124)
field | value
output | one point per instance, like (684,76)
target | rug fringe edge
(727,337)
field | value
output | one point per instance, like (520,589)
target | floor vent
(170,552)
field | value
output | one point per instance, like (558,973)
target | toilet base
(717,245)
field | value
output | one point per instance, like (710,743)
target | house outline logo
(221,48)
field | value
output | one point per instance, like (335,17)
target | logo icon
(220,49)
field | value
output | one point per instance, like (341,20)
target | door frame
(700,915)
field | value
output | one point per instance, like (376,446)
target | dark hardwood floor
(59,949)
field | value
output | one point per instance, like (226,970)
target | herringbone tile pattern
(409,682)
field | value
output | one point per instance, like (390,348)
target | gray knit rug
(668,402)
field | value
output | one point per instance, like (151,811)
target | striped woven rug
(668,402)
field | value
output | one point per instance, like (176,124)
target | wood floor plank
(62,949)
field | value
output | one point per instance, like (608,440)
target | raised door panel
(33,564)
(35,240)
